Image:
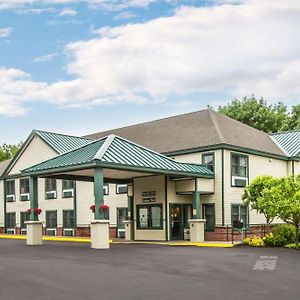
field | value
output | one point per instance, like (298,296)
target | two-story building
(226,155)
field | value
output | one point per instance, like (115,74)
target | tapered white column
(34,233)
(100,234)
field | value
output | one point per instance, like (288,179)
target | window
(11,220)
(149,216)
(24,189)
(68,184)
(239,170)
(10,191)
(105,189)
(121,188)
(208,160)
(50,188)
(24,216)
(239,215)
(68,188)
(51,219)
(68,219)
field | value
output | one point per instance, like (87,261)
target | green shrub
(284,234)
(256,242)
(269,240)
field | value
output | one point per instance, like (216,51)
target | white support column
(34,233)
(197,230)
(128,230)
(100,234)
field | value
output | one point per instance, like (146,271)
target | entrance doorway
(121,217)
(179,216)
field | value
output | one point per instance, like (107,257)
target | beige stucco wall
(143,184)
(85,198)
(37,151)
(216,197)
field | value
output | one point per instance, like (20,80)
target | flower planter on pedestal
(100,234)
(34,233)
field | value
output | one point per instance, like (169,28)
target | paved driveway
(74,271)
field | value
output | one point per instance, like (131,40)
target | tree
(9,150)
(259,114)
(257,197)
(287,195)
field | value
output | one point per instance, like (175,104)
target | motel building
(178,178)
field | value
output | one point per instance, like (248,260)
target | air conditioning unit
(23,231)
(51,195)
(240,182)
(10,231)
(68,193)
(121,233)
(24,197)
(10,198)
(51,231)
(68,232)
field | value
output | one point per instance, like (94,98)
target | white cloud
(5,32)
(124,15)
(67,12)
(248,48)
(45,58)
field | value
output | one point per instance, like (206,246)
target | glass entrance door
(176,222)
(179,216)
(121,217)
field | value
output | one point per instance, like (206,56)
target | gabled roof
(60,143)
(195,130)
(116,152)
(289,141)
(3,165)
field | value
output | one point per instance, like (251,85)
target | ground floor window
(149,216)
(51,219)
(208,213)
(24,216)
(11,220)
(68,219)
(239,215)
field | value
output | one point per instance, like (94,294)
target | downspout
(4,202)
(166,207)
(293,167)
(75,207)
(223,206)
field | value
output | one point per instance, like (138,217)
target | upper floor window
(121,188)
(50,188)
(24,189)
(208,159)
(68,188)
(239,170)
(10,191)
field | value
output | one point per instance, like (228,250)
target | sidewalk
(122,241)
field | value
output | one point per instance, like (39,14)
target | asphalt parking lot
(74,271)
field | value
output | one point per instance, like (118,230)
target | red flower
(104,206)
(36,210)
(92,208)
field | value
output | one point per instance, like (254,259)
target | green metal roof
(116,152)
(62,143)
(288,141)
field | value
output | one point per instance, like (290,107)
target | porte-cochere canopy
(119,157)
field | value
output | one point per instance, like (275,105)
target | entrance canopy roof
(119,158)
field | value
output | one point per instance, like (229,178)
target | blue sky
(82,66)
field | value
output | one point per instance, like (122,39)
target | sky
(83,66)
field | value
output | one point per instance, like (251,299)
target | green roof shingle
(114,151)
(289,141)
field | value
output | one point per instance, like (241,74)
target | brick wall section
(224,234)
(86,232)
(1,230)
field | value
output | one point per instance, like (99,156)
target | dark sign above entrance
(149,197)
